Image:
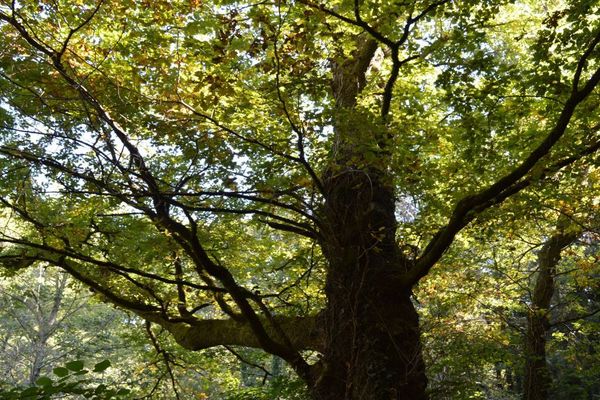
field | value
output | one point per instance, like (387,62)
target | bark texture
(371,330)
(304,332)
(537,374)
(372,346)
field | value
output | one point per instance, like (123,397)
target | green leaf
(60,372)
(43,381)
(102,366)
(30,391)
(75,365)
(101,388)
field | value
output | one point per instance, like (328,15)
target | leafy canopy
(171,154)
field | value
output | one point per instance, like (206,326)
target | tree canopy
(284,174)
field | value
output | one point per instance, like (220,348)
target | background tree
(244,173)
(475,312)
(48,320)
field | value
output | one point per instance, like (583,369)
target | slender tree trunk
(46,323)
(37,362)
(537,375)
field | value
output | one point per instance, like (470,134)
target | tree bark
(47,323)
(371,338)
(372,345)
(303,332)
(537,374)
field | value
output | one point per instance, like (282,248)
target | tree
(48,320)
(537,375)
(36,312)
(281,175)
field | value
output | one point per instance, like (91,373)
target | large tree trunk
(537,375)
(372,347)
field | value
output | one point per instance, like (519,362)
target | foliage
(280,388)
(69,379)
(284,175)
(32,340)
(46,316)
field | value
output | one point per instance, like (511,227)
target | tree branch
(470,206)
(304,332)
(467,209)
(575,318)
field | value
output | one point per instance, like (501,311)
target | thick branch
(471,206)
(420,269)
(378,37)
(304,332)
